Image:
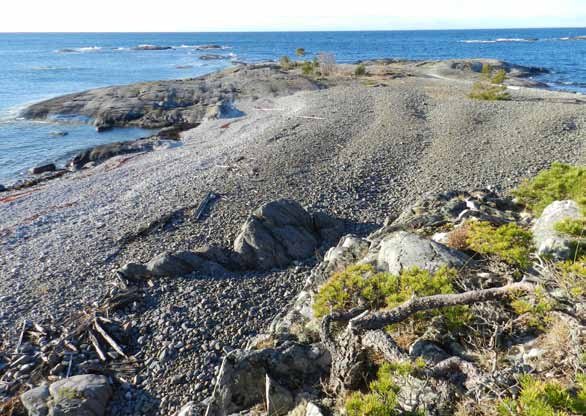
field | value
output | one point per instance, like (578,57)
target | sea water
(35,67)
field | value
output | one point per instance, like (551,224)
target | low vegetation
(560,182)
(571,276)
(510,243)
(285,62)
(360,70)
(381,399)
(307,68)
(546,398)
(363,286)
(490,88)
(482,90)
(300,52)
(327,63)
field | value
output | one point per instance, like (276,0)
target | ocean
(40,66)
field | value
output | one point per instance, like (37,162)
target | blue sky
(260,15)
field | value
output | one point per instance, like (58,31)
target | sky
(274,15)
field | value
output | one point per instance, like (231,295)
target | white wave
(477,41)
(568,38)
(80,50)
(517,40)
(499,40)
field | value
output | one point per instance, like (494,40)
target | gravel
(365,154)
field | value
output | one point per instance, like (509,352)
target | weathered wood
(25,324)
(96,345)
(363,331)
(210,196)
(109,339)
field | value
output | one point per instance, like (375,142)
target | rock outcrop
(164,103)
(403,250)
(548,240)
(82,395)
(280,232)
(274,376)
(275,235)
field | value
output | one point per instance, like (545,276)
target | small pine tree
(360,70)
(307,68)
(499,77)
(300,52)
(285,62)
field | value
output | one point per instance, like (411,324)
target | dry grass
(458,238)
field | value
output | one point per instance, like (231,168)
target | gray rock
(151,48)
(2,188)
(160,104)
(242,378)
(211,57)
(403,250)
(35,401)
(172,265)
(37,170)
(278,233)
(279,400)
(83,395)
(547,239)
(427,350)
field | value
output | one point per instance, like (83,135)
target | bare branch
(379,320)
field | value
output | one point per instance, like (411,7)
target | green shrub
(536,306)
(285,62)
(509,242)
(486,69)
(572,276)
(381,400)
(355,286)
(360,70)
(487,91)
(307,68)
(300,52)
(546,398)
(559,182)
(499,77)
(573,227)
(362,286)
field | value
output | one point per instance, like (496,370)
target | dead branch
(109,339)
(379,320)
(96,345)
(363,331)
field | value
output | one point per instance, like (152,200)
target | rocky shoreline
(353,151)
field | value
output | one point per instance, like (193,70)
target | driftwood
(364,333)
(109,339)
(210,196)
(53,343)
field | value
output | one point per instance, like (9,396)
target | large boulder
(82,395)
(290,368)
(547,239)
(35,401)
(280,232)
(402,250)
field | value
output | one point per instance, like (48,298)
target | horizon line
(292,31)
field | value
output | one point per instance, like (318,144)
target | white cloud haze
(235,15)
